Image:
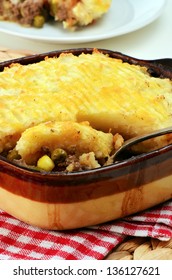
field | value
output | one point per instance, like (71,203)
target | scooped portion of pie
(84,105)
(72,13)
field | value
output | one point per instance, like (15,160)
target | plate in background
(123,17)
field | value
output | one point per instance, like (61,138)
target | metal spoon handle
(138,139)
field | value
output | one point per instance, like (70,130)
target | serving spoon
(135,140)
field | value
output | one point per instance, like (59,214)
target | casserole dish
(61,201)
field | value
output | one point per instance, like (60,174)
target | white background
(101,267)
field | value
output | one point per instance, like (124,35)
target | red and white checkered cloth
(21,241)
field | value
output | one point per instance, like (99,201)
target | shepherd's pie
(87,95)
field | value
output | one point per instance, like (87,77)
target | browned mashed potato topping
(72,112)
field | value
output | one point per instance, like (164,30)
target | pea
(38,21)
(58,155)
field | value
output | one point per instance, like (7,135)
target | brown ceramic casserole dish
(61,201)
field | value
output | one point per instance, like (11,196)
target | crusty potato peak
(106,92)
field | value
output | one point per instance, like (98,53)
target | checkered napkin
(21,241)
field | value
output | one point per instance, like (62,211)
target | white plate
(123,17)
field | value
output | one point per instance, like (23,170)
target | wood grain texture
(7,54)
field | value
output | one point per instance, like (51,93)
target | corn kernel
(45,163)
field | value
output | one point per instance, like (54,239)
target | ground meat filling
(28,11)
(72,157)
(71,13)
(60,161)
(23,12)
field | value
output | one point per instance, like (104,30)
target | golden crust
(109,94)
(74,138)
